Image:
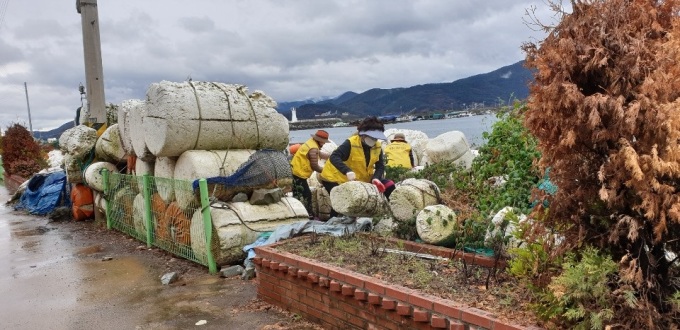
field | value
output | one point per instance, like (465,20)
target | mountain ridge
(486,88)
(489,88)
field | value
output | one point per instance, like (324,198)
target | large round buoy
(293,148)
(93,174)
(438,225)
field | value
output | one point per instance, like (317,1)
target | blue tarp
(44,193)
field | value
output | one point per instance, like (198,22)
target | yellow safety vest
(398,154)
(300,163)
(356,162)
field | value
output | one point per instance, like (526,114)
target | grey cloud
(197,24)
(290,50)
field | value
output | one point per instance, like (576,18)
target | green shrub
(509,153)
(581,295)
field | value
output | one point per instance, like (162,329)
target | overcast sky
(291,50)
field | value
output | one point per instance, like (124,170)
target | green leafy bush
(581,296)
(508,155)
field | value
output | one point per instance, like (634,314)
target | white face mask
(369,141)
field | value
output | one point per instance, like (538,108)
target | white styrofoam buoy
(438,225)
(93,174)
(109,146)
(230,234)
(78,141)
(136,117)
(124,124)
(164,169)
(449,146)
(197,164)
(411,196)
(197,115)
(358,199)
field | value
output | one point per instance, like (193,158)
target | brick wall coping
(409,303)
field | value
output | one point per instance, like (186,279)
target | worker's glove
(379,185)
(351,176)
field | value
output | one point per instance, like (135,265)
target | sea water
(472,127)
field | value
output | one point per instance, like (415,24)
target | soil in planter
(450,279)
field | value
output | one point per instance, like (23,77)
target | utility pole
(94,72)
(28,106)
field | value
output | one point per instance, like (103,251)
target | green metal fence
(161,213)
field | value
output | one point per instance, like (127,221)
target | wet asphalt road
(51,278)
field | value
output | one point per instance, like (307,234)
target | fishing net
(263,170)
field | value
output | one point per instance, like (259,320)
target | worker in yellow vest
(304,163)
(398,153)
(359,158)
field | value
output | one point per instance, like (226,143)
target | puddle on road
(31,245)
(40,230)
(127,281)
(89,250)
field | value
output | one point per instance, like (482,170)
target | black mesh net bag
(263,170)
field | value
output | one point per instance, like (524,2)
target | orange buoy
(83,202)
(179,224)
(293,148)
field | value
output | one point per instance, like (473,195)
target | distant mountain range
(487,89)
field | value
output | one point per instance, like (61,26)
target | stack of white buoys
(196,164)
(411,196)
(94,176)
(141,168)
(230,233)
(163,170)
(438,225)
(450,146)
(358,199)
(109,146)
(417,140)
(136,117)
(210,116)
(139,216)
(76,143)
(124,124)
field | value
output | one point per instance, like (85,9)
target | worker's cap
(399,137)
(320,135)
(378,135)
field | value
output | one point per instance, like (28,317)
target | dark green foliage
(508,154)
(582,293)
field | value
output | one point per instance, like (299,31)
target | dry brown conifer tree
(605,107)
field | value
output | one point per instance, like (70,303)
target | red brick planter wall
(12,182)
(340,299)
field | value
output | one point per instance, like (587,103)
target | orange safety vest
(397,154)
(356,162)
(300,163)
